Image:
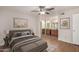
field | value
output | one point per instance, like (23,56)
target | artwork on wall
(20,23)
(65,23)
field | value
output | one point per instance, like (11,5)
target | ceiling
(28,9)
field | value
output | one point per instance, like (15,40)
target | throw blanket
(27,43)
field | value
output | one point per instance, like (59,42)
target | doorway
(49,29)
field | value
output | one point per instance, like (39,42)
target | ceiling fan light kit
(43,10)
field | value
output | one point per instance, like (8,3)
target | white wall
(6,21)
(67,34)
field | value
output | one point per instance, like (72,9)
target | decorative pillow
(26,33)
(17,34)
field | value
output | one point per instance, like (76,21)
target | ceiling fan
(43,10)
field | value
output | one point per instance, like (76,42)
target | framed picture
(65,23)
(20,23)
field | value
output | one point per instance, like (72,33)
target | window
(54,25)
(49,25)
(43,24)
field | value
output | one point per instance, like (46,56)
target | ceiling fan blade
(35,11)
(49,9)
(47,12)
(41,7)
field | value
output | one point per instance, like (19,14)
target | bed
(25,41)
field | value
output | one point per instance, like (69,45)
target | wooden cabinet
(54,33)
(50,32)
(47,31)
(43,31)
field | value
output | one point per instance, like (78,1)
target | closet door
(76,29)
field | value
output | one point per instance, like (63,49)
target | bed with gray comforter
(26,43)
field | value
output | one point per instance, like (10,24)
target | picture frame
(65,23)
(20,23)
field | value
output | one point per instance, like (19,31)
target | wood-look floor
(60,46)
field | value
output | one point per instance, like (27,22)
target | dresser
(54,33)
(51,32)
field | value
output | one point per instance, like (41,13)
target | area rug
(51,48)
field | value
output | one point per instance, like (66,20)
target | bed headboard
(12,33)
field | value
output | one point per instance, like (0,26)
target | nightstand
(5,47)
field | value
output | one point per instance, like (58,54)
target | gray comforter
(27,44)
